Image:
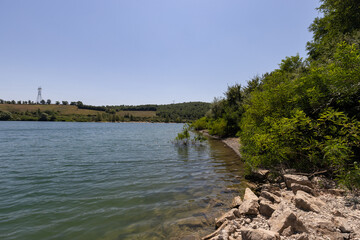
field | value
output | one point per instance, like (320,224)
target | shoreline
(231,142)
(291,210)
(288,206)
(294,208)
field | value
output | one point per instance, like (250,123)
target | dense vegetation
(306,113)
(77,111)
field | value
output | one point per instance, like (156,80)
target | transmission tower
(39,98)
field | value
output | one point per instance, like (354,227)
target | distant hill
(179,112)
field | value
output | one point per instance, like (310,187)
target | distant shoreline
(175,113)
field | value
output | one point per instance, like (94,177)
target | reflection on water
(111,181)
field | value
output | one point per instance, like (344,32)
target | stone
(296,187)
(336,192)
(236,202)
(230,229)
(249,195)
(337,213)
(302,180)
(212,235)
(249,207)
(248,220)
(191,222)
(282,185)
(302,236)
(258,175)
(230,215)
(307,202)
(323,224)
(283,217)
(258,234)
(287,232)
(266,208)
(322,182)
(274,189)
(272,197)
(342,224)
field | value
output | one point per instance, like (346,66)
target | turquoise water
(110,181)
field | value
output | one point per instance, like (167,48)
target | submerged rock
(230,215)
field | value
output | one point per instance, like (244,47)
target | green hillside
(181,112)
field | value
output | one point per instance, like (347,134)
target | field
(69,110)
(178,112)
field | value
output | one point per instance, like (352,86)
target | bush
(218,127)
(5,116)
(200,124)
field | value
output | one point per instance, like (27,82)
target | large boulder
(266,208)
(302,180)
(284,218)
(307,202)
(249,195)
(249,207)
(258,234)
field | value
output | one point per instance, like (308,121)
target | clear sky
(113,52)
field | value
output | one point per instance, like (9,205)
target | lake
(111,181)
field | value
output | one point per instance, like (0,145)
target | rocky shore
(291,206)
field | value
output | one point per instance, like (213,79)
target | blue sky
(113,52)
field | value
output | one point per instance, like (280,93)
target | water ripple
(107,181)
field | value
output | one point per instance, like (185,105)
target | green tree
(44,117)
(340,22)
(4,116)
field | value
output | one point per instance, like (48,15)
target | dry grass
(62,109)
(69,110)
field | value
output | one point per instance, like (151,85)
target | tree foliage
(306,113)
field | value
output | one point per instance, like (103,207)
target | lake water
(110,181)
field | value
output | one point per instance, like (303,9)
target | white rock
(249,195)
